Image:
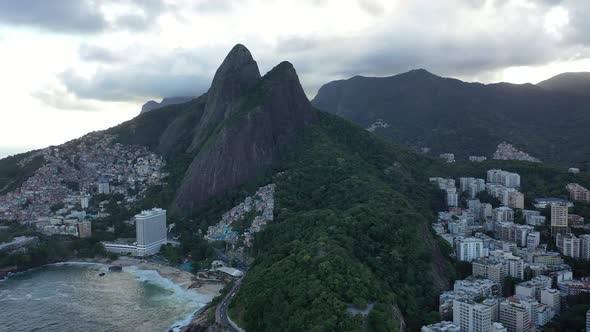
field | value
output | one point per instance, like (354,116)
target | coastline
(179,277)
(180,281)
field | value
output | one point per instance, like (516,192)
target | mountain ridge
(446,115)
(166,101)
(577,83)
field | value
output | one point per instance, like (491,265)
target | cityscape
(503,245)
(296,166)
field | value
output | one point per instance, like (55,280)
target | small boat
(116,268)
(101,274)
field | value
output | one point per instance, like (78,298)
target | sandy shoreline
(178,276)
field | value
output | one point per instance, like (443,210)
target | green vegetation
(241,225)
(52,249)
(12,175)
(12,229)
(573,317)
(447,115)
(351,227)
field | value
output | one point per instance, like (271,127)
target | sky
(69,67)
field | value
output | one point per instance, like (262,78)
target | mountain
(245,121)
(352,211)
(573,83)
(154,105)
(422,110)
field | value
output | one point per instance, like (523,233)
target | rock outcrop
(236,75)
(246,121)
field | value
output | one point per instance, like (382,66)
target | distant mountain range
(573,83)
(154,105)
(418,109)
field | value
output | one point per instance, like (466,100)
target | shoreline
(171,277)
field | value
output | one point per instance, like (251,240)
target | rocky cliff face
(246,121)
(236,75)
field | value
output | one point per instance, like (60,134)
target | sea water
(74,297)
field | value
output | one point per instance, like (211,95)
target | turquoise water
(187,267)
(75,298)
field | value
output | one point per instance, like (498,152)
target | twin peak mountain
(234,132)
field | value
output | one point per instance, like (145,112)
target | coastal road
(221,310)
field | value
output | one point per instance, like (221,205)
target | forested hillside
(352,229)
(422,110)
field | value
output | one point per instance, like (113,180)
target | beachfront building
(150,230)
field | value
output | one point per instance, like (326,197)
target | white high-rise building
(503,214)
(558,218)
(514,316)
(103,186)
(443,326)
(84,201)
(498,327)
(151,234)
(568,244)
(521,233)
(507,179)
(550,297)
(585,247)
(150,227)
(533,240)
(452,197)
(464,183)
(469,249)
(471,316)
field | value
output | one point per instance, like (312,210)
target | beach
(179,277)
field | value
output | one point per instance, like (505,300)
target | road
(221,310)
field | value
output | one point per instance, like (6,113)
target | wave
(191,298)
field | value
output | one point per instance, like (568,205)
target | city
(518,281)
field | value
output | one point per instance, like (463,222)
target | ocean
(74,297)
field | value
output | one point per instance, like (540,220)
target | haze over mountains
(574,83)
(154,105)
(422,110)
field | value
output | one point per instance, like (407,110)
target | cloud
(80,16)
(372,7)
(468,39)
(177,73)
(62,100)
(93,53)
(215,6)
(451,38)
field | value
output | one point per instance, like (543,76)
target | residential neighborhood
(56,197)
(519,279)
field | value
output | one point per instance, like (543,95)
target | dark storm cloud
(77,16)
(178,73)
(450,38)
(134,86)
(446,40)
